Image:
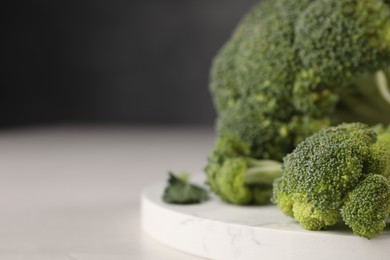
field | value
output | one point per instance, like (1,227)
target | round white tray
(218,230)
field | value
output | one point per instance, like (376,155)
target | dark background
(112,62)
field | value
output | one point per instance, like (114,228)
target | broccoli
(341,172)
(289,64)
(367,206)
(292,68)
(238,178)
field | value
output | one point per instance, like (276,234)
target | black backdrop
(136,61)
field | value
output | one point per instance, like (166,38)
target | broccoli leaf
(180,191)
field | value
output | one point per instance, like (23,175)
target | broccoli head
(289,65)
(337,173)
(292,68)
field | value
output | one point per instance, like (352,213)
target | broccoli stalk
(363,101)
(338,173)
(261,172)
(383,85)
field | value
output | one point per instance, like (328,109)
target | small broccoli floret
(367,206)
(326,169)
(238,178)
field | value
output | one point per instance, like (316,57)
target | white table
(72,193)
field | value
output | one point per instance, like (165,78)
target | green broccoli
(367,206)
(292,68)
(339,172)
(289,63)
(238,178)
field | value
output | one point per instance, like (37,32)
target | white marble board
(217,230)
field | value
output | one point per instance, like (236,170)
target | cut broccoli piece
(238,178)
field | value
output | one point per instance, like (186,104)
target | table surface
(73,193)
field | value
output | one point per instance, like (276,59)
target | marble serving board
(217,230)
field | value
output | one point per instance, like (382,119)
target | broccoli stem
(261,172)
(383,85)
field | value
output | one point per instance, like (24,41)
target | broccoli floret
(283,72)
(367,206)
(332,170)
(238,178)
